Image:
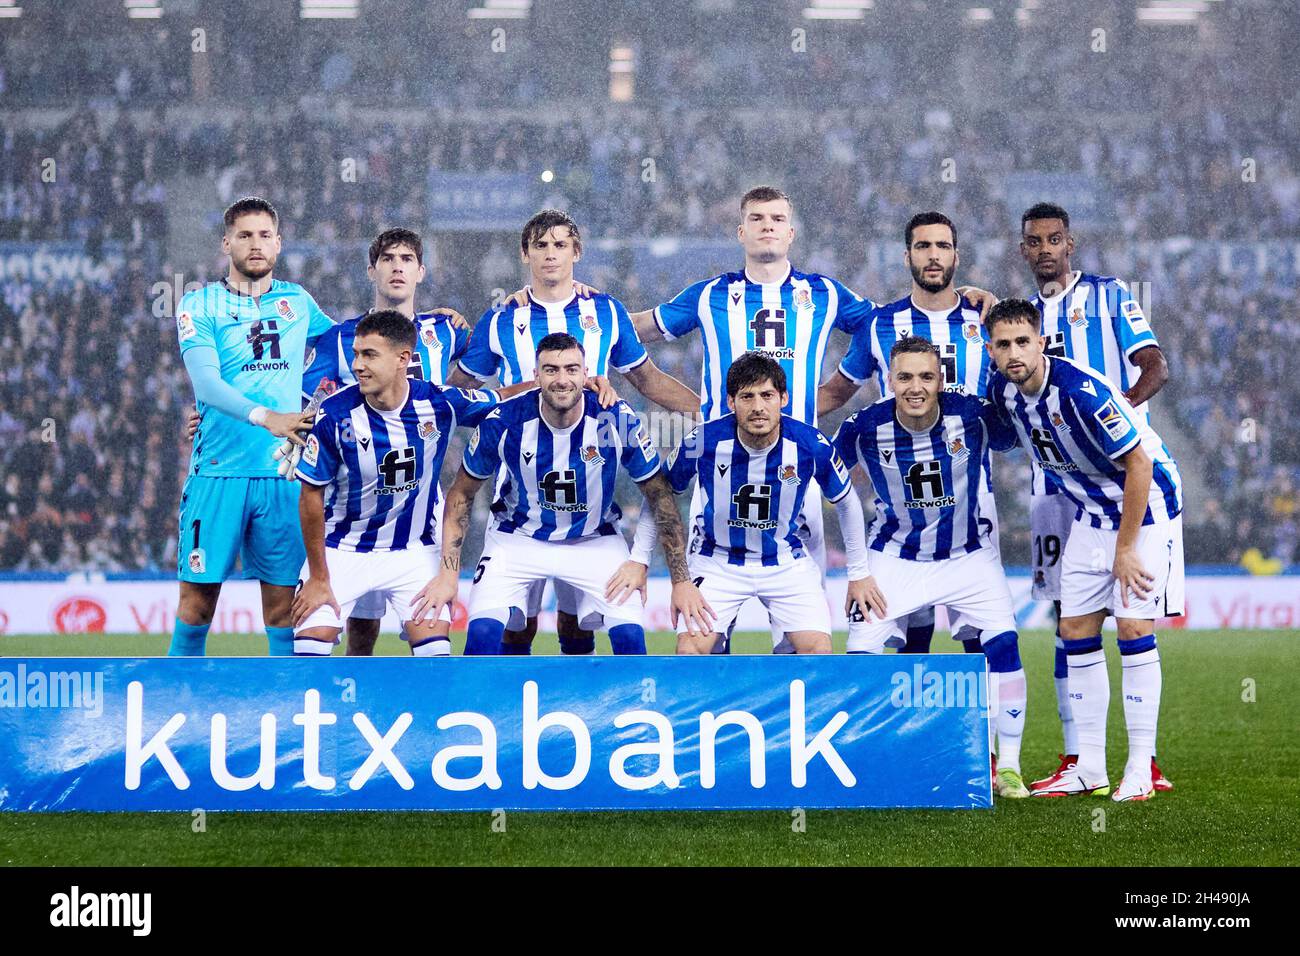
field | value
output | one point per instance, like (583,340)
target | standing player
(563,454)
(396,269)
(378,447)
(935,310)
(244,340)
(1094,321)
(753,468)
(1124,551)
(504,345)
(924,450)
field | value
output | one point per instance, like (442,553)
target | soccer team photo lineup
(319,451)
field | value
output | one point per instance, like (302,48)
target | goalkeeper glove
(288,456)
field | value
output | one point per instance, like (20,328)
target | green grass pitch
(1234,761)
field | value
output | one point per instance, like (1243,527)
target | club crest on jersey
(1078,320)
(198,561)
(802,299)
(427,429)
(592,456)
(957,447)
(1058,421)
(789,475)
(185,326)
(311,453)
(588,323)
(972,331)
(1112,419)
(285,310)
(429,336)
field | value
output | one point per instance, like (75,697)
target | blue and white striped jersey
(753,498)
(383,467)
(926,483)
(438,344)
(958,334)
(789,321)
(1076,428)
(1096,322)
(505,339)
(560,482)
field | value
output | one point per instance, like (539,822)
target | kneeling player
(923,450)
(378,447)
(753,468)
(1125,548)
(562,453)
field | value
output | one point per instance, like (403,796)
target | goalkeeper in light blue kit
(244,341)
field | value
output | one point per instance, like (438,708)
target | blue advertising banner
(514,733)
(480,201)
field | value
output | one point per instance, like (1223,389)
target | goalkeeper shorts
(254,520)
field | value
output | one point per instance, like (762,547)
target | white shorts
(1087,585)
(962,630)
(513,563)
(567,598)
(973,586)
(370,607)
(1050,519)
(792,593)
(388,577)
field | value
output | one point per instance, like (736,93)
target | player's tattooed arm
(455,519)
(1155,373)
(668,522)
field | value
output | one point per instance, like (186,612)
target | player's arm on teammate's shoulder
(1127,568)
(1000,432)
(834,392)
(457,320)
(1155,373)
(520,298)
(982,299)
(441,591)
(663,389)
(315,591)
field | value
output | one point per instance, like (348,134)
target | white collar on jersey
(1047,374)
(1069,287)
(534,297)
(789,270)
(400,405)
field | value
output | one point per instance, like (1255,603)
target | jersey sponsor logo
(789,474)
(1112,419)
(1078,320)
(925,488)
(753,508)
(264,339)
(185,328)
(559,491)
(768,328)
(397,471)
(1047,452)
(972,331)
(285,310)
(591,455)
(311,454)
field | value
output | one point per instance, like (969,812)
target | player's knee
(483,637)
(566,625)
(197,604)
(1131,630)
(627,639)
(363,633)
(1003,652)
(523,636)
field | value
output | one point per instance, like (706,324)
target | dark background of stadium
(1176,148)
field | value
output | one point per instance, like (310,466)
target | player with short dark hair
(1095,321)
(243,341)
(557,517)
(1124,551)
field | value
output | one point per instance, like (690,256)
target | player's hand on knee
(628,579)
(192,423)
(314,593)
(980,298)
(455,318)
(688,602)
(439,593)
(866,594)
(1130,574)
(605,393)
(289,424)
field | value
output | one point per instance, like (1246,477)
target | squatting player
(924,449)
(244,341)
(935,310)
(377,447)
(1125,548)
(1094,321)
(504,346)
(563,455)
(753,468)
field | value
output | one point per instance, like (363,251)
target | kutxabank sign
(487,733)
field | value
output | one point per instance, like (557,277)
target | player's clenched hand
(440,592)
(979,297)
(626,581)
(866,594)
(455,318)
(1130,573)
(289,424)
(605,393)
(315,593)
(192,423)
(688,602)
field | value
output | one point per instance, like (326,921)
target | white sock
(434,647)
(1142,682)
(310,647)
(1089,701)
(1069,735)
(1011,695)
